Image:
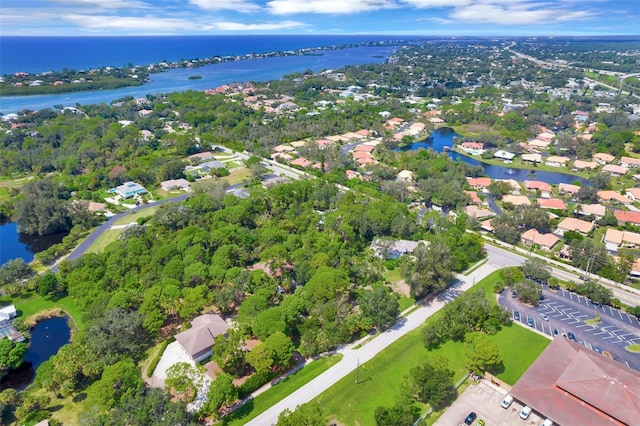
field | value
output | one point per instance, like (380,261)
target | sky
(402,17)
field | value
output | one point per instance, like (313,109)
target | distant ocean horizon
(40,54)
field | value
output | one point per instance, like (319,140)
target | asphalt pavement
(568,312)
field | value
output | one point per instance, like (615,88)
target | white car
(546,422)
(506,402)
(525,413)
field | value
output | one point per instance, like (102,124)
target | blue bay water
(39,54)
(213,75)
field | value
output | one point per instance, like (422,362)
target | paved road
(84,246)
(351,357)
(625,294)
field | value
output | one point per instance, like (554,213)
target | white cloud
(426,4)
(288,7)
(516,13)
(142,23)
(104,4)
(240,26)
(236,5)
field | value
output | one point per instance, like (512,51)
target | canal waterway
(15,245)
(214,75)
(47,337)
(444,137)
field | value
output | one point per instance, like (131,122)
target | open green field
(238,175)
(29,304)
(276,393)
(380,378)
(106,238)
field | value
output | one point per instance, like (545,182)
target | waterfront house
(531,158)
(130,189)
(615,170)
(603,158)
(568,188)
(573,224)
(538,185)
(538,144)
(476,146)
(197,342)
(613,196)
(557,161)
(545,241)
(584,165)
(477,212)
(504,155)
(624,216)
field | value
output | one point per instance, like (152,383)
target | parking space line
(619,313)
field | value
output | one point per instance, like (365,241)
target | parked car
(571,336)
(480,422)
(554,332)
(546,422)
(470,418)
(544,317)
(516,316)
(525,413)
(514,294)
(506,402)
(530,322)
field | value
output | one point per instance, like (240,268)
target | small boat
(446,148)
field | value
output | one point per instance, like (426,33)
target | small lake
(14,244)
(47,337)
(444,137)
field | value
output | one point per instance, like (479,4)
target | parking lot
(568,314)
(484,400)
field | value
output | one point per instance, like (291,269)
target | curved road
(84,245)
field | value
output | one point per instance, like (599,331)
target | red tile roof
(552,203)
(573,385)
(627,216)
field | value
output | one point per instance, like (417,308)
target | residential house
(213,164)
(613,196)
(538,144)
(504,155)
(130,189)
(473,195)
(567,188)
(170,184)
(515,186)
(531,158)
(573,224)
(584,165)
(352,174)
(486,226)
(551,203)
(364,148)
(538,185)
(614,239)
(200,157)
(477,212)
(302,162)
(624,216)
(197,341)
(603,158)
(615,170)
(393,249)
(629,162)
(516,200)
(283,148)
(557,161)
(480,183)
(476,146)
(633,193)
(405,176)
(545,241)
(8,312)
(596,210)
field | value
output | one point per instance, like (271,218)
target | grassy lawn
(238,175)
(393,275)
(381,378)
(150,211)
(633,348)
(29,304)
(106,238)
(266,399)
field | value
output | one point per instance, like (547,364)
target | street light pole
(357,370)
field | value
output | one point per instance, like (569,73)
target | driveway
(172,355)
(568,312)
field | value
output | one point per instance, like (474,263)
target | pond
(14,244)
(47,337)
(444,136)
